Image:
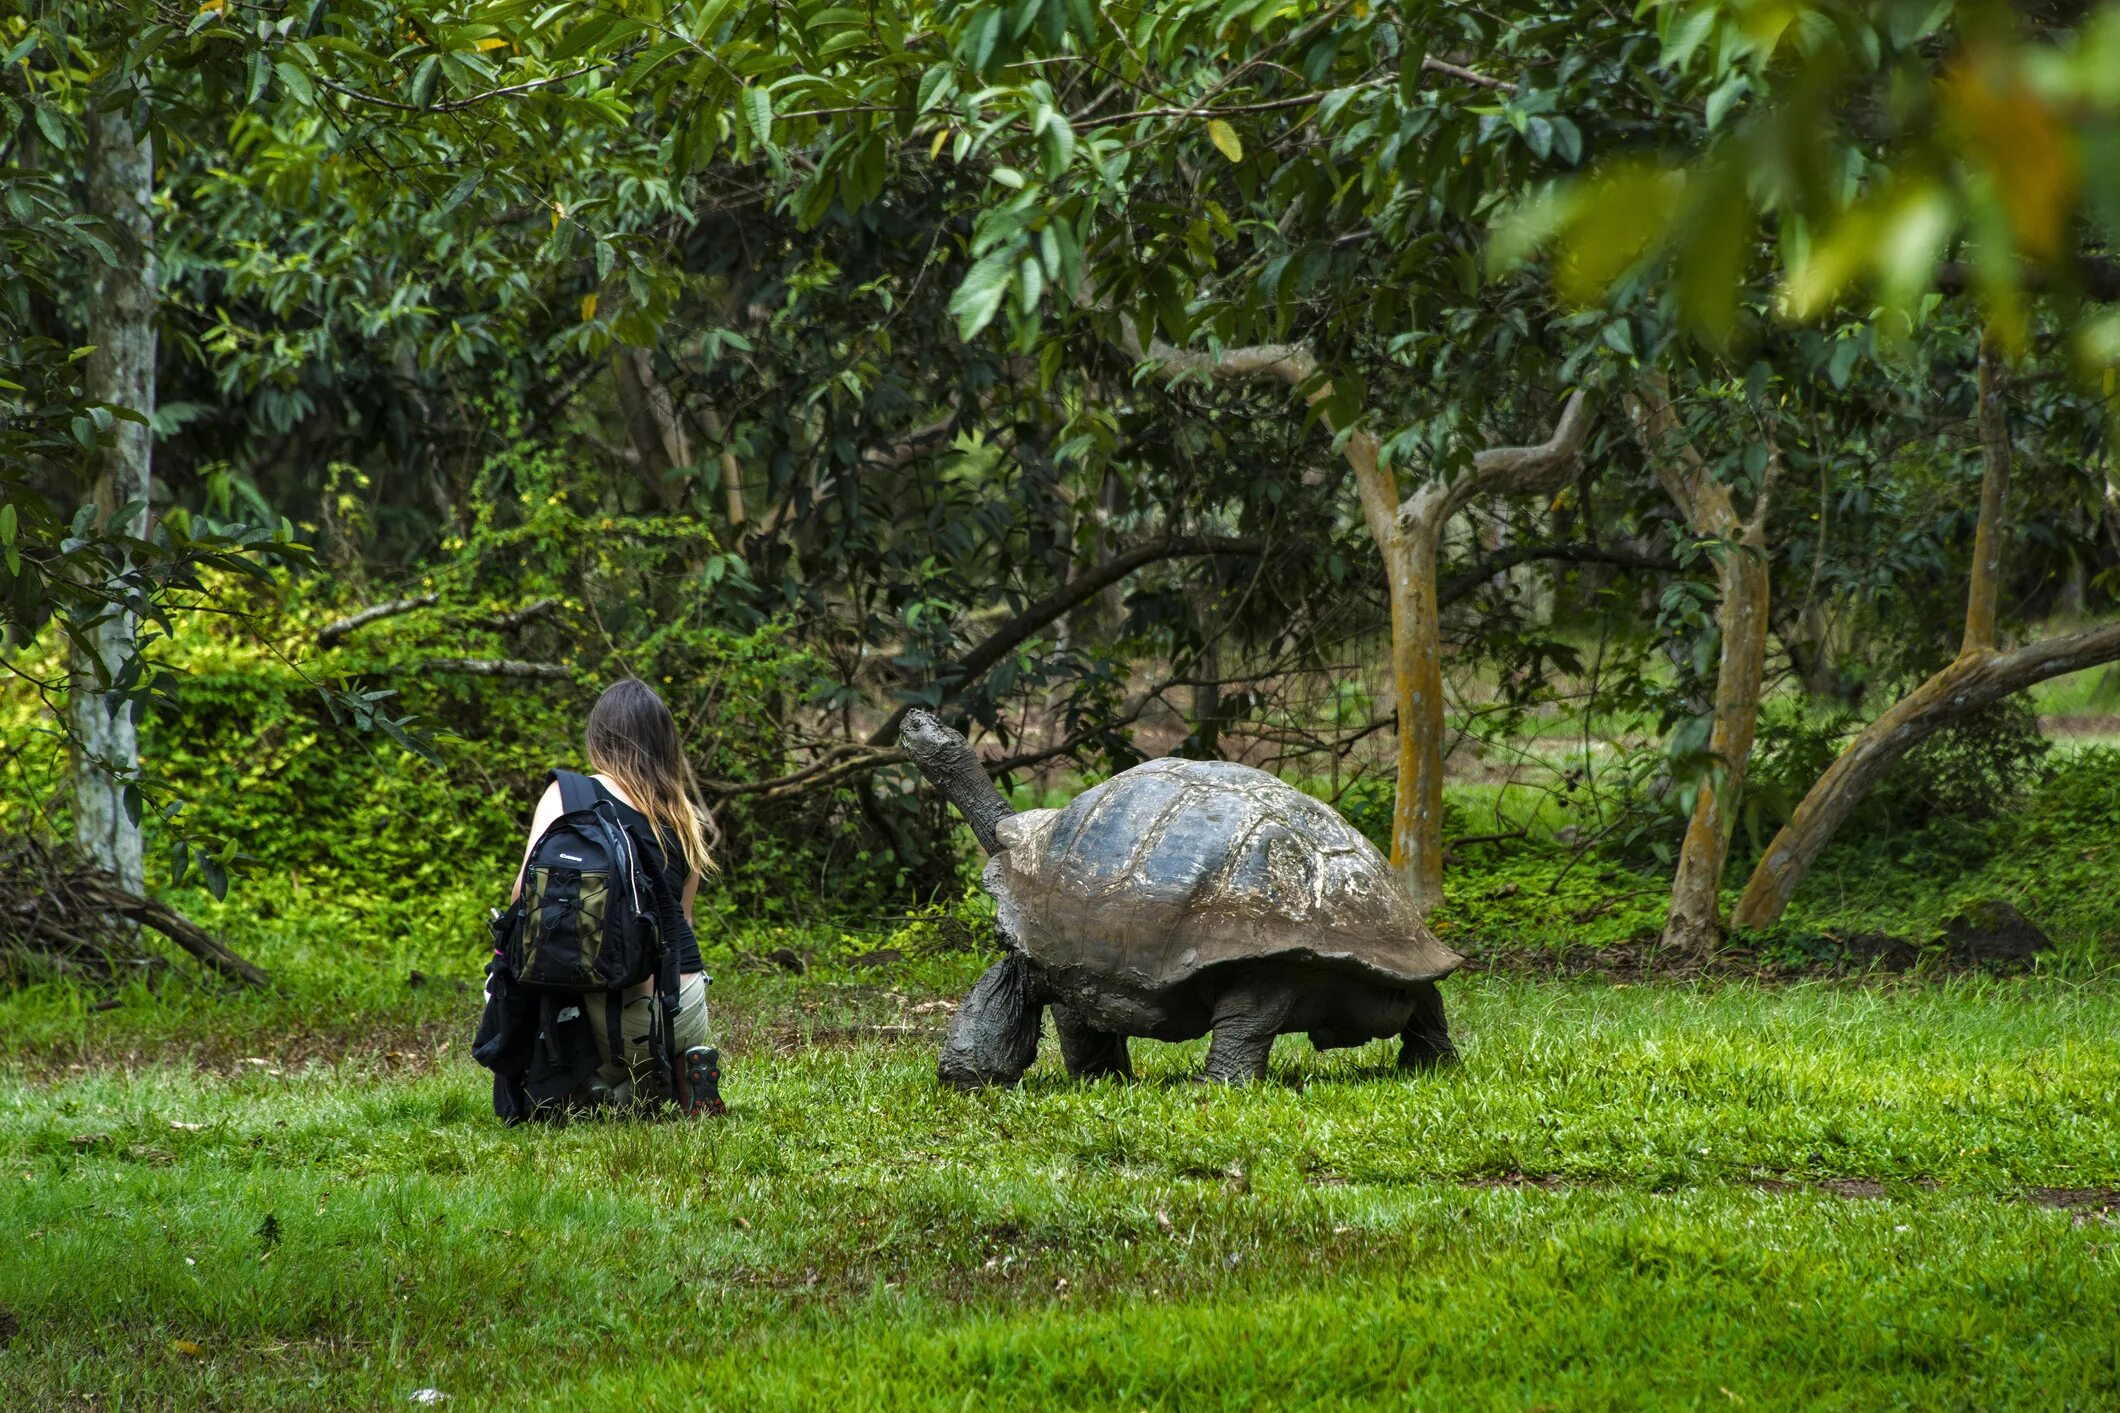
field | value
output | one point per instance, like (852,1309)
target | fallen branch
(186,934)
(57,907)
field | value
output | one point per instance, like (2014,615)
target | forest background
(1652,470)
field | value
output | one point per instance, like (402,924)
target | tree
(1967,130)
(1408,533)
(1743,617)
(1981,675)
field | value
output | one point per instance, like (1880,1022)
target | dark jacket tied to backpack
(585,922)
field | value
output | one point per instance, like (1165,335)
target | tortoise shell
(1176,866)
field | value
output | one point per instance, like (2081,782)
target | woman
(641,769)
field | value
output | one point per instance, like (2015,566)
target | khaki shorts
(636,1070)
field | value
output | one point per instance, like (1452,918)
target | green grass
(851,1234)
(1820,1195)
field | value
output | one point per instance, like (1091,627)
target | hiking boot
(702,1070)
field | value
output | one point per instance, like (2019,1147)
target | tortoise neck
(953,769)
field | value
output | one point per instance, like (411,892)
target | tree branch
(506,622)
(1508,469)
(331,633)
(492,667)
(1046,610)
(185,933)
(1459,585)
(457,105)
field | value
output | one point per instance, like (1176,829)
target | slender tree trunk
(658,435)
(731,469)
(1411,552)
(1695,921)
(1979,677)
(1408,537)
(121,371)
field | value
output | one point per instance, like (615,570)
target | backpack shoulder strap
(576,791)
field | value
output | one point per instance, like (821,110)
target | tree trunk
(121,372)
(1695,921)
(1410,553)
(1978,678)
(658,436)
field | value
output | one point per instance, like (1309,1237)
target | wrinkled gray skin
(1192,898)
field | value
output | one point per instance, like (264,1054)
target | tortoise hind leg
(994,1035)
(1425,1042)
(1091,1053)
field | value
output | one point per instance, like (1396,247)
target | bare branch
(1050,608)
(507,622)
(492,667)
(331,633)
(1461,584)
(1514,470)
(457,105)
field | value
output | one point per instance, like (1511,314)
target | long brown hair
(632,738)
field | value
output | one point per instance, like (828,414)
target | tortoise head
(946,759)
(931,744)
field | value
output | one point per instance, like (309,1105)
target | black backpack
(586,919)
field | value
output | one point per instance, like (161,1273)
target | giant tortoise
(1177,899)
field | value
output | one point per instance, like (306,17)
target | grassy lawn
(1827,1195)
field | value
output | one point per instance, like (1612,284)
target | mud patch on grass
(2090,1204)
(1987,937)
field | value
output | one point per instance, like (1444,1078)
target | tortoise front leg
(1091,1053)
(1248,1015)
(994,1035)
(1425,1042)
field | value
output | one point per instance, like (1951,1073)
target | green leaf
(424,80)
(461,192)
(978,299)
(758,107)
(48,122)
(1720,101)
(1688,35)
(1843,361)
(7,524)
(297,82)
(935,85)
(982,38)
(1009,177)
(1059,145)
(1567,140)
(1224,137)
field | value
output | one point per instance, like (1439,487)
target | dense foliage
(813,362)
